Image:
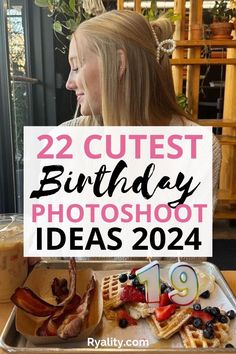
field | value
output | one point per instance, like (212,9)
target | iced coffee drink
(13,266)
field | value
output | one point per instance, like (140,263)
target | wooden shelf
(217,123)
(226,206)
(229,43)
(226,139)
(189,56)
(225,214)
(225,196)
(201,61)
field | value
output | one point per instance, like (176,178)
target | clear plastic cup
(13,266)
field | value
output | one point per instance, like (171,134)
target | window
(27,89)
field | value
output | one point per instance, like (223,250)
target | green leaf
(71,25)
(78,20)
(66,9)
(153,7)
(172,16)
(41,3)
(182,101)
(72,5)
(57,27)
(86,16)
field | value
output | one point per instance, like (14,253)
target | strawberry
(122,314)
(133,270)
(164,312)
(204,316)
(164,300)
(132,294)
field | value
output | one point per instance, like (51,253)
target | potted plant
(221,14)
(68,14)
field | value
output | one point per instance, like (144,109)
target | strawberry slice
(164,300)
(132,294)
(164,312)
(122,314)
(204,316)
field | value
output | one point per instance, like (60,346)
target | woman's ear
(122,61)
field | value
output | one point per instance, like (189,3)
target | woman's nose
(70,83)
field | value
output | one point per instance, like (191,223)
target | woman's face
(85,79)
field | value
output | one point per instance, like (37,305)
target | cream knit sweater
(176,121)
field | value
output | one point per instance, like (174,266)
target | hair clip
(161,45)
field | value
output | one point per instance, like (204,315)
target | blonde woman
(121,74)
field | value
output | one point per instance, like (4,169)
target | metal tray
(12,341)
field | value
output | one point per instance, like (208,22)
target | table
(5,309)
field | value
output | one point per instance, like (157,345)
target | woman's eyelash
(76,69)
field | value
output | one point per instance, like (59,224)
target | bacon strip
(67,318)
(50,325)
(48,328)
(28,301)
(59,289)
(72,324)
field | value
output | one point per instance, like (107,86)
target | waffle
(221,331)
(165,329)
(111,289)
(193,337)
(139,310)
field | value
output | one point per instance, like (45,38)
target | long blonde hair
(144,95)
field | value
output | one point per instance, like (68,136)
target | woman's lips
(79,97)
